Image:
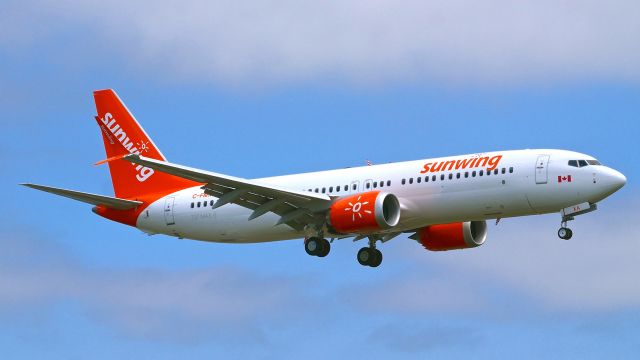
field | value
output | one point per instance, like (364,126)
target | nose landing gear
(565,233)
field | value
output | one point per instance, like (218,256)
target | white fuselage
(527,182)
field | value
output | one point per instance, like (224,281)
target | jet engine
(453,236)
(364,213)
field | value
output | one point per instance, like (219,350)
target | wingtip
(111,159)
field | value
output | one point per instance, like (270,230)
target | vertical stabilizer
(122,135)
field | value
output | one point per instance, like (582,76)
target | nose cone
(612,180)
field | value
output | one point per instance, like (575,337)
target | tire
(313,246)
(325,248)
(569,234)
(563,232)
(364,256)
(377,258)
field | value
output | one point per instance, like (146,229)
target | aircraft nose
(620,180)
(614,180)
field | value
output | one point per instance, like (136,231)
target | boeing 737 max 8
(442,203)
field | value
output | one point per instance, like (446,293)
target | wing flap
(94,199)
(246,193)
(223,180)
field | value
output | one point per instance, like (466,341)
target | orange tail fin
(123,135)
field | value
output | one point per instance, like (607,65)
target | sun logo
(356,209)
(143,146)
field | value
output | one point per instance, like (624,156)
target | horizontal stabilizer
(106,201)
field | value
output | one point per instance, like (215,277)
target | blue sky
(255,89)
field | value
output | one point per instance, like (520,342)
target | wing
(296,208)
(107,201)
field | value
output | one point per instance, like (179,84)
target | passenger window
(192,205)
(442,177)
(458,176)
(338,188)
(419,180)
(473,174)
(582,163)
(488,172)
(324,190)
(433,178)
(375,184)
(388,182)
(450,176)
(355,186)
(410,180)
(404,181)
(198,203)
(481,172)
(331,189)
(495,172)
(426,178)
(466,174)
(381,183)
(317,190)
(504,170)
(346,187)
(511,170)
(211,203)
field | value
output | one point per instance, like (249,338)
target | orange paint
(122,135)
(443,237)
(491,163)
(355,213)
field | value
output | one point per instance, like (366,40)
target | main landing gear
(367,256)
(370,256)
(317,246)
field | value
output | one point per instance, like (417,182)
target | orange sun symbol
(143,146)
(356,209)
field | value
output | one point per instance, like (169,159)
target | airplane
(442,203)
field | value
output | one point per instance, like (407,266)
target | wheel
(569,234)
(313,246)
(325,248)
(376,260)
(364,256)
(565,233)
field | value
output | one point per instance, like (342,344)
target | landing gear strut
(317,246)
(370,256)
(564,232)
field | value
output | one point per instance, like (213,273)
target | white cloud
(265,42)
(185,305)
(523,265)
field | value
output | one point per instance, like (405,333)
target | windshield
(583,163)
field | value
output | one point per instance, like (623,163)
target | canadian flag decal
(564,178)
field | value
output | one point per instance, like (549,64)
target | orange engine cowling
(454,236)
(366,212)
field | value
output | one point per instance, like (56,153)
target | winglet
(110,159)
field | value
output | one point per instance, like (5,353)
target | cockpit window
(583,163)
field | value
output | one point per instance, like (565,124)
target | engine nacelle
(366,212)
(454,236)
